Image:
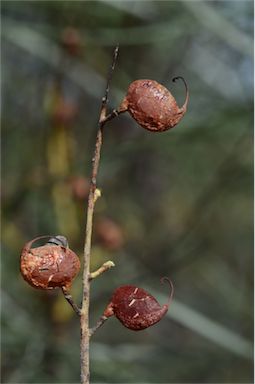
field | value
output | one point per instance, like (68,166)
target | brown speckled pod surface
(49,266)
(152,105)
(135,308)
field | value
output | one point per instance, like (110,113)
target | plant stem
(85,331)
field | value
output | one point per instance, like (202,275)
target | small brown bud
(109,234)
(50,266)
(80,187)
(135,308)
(152,105)
(71,41)
(64,112)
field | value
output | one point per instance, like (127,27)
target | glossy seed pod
(49,266)
(152,105)
(135,308)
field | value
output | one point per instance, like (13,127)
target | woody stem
(84,319)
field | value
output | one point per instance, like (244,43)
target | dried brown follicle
(152,105)
(135,308)
(53,265)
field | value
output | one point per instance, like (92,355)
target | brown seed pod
(50,266)
(135,308)
(152,105)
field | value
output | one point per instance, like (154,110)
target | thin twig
(99,324)
(70,300)
(85,332)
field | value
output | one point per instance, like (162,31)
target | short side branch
(111,115)
(99,324)
(70,300)
(105,267)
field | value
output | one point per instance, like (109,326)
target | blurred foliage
(179,203)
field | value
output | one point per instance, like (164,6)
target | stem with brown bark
(84,318)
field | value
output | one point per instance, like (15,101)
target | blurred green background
(178,203)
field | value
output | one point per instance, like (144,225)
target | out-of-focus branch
(220,26)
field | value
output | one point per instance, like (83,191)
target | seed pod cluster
(53,265)
(152,105)
(135,308)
